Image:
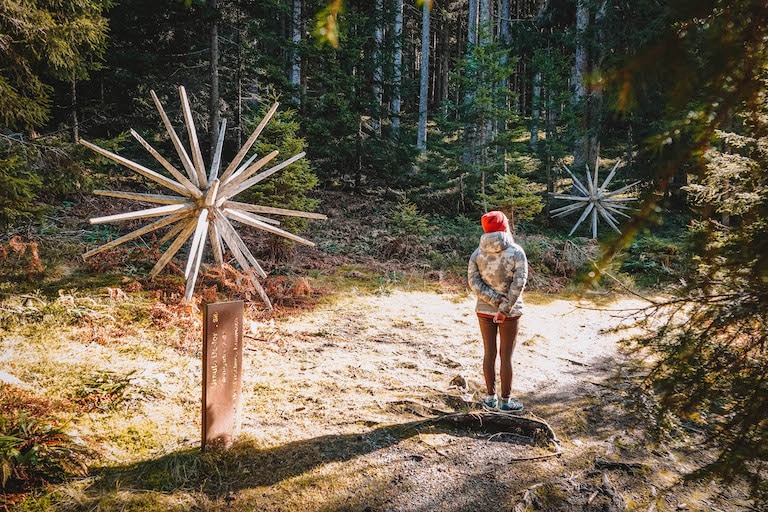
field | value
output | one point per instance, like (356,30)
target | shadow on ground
(245,465)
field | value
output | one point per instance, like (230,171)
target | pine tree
(711,62)
(43,42)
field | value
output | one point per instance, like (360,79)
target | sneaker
(510,404)
(490,401)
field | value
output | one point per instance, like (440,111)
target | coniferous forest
(416,118)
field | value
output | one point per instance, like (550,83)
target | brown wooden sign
(222,372)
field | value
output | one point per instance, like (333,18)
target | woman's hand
(499,317)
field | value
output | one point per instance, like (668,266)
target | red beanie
(494,221)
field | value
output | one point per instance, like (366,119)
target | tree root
(500,423)
(629,467)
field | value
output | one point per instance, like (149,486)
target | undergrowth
(36,450)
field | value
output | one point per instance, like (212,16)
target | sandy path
(355,356)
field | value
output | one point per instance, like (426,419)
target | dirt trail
(348,386)
(342,407)
(410,345)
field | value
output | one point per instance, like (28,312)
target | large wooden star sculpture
(595,200)
(203,207)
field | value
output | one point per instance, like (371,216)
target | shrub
(651,260)
(410,232)
(35,451)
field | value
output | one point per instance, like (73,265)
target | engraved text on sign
(222,367)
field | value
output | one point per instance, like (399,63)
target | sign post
(222,373)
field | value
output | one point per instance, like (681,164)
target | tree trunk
(470,129)
(504,34)
(421,140)
(445,64)
(595,113)
(295,75)
(485,28)
(506,41)
(485,38)
(579,76)
(378,96)
(472,24)
(214,116)
(397,71)
(549,141)
(75,122)
(630,142)
(535,109)
(239,77)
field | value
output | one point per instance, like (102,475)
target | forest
(408,120)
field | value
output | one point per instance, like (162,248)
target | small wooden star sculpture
(595,200)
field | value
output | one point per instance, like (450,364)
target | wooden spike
(178,228)
(621,190)
(197,156)
(235,244)
(218,253)
(576,183)
(135,234)
(594,223)
(566,210)
(261,218)
(186,232)
(571,197)
(143,214)
(275,211)
(255,179)
(159,178)
(185,160)
(247,218)
(592,190)
(247,146)
(212,194)
(198,239)
(583,216)
(610,176)
(216,163)
(238,245)
(613,209)
(609,219)
(193,190)
(136,196)
(244,166)
(260,290)
(234,181)
(613,204)
(233,247)
(608,199)
(192,279)
(597,167)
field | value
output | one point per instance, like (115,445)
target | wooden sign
(222,372)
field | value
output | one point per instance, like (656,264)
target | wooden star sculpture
(202,207)
(595,200)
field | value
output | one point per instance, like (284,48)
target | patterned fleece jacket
(498,270)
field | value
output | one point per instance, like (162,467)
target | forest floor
(345,408)
(359,394)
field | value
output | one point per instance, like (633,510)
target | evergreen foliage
(712,60)
(19,185)
(514,195)
(41,42)
(714,344)
(288,188)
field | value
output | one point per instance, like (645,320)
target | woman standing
(497,273)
